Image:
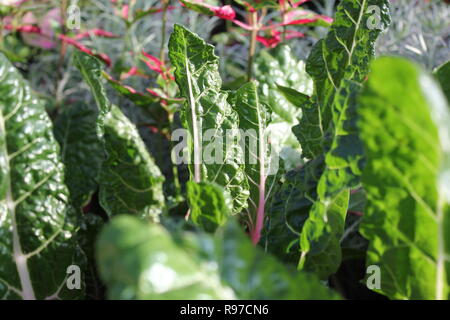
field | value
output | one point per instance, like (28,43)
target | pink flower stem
(253,18)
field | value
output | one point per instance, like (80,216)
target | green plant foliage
(207,112)
(81,151)
(407,180)
(130,181)
(37,223)
(134,256)
(209,207)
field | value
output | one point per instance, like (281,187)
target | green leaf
(404,127)
(139,98)
(143,261)
(321,234)
(262,276)
(208,116)
(442,74)
(253,121)
(275,69)
(209,206)
(81,151)
(139,260)
(37,225)
(200,7)
(293,96)
(90,226)
(327,129)
(91,70)
(279,67)
(345,53)
(288,210)
(130,181)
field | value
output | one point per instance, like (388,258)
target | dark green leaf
(81,151)
(37,225)
(442,73)
(91,70)
(130,181)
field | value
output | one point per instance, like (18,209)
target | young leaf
(209,206)
(37,225)
(293,96)
(91,70)
(253,121)
(404,127)
(130,181)
(208,117)
(81,151)
(143,261)
(442,73)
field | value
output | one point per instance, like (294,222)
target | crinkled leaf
(279,67)
(81,151)
(143,261)
(321,234)
(337,64)
(209,206)
(274,69)
(405,129)
(253,120)
(344,54)
(213,125)
(37,224)
(130,181)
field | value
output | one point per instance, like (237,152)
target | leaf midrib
(18,256)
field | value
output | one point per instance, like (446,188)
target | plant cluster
(174,177)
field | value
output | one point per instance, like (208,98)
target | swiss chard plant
(263,187)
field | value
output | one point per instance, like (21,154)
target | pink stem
(256,231)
